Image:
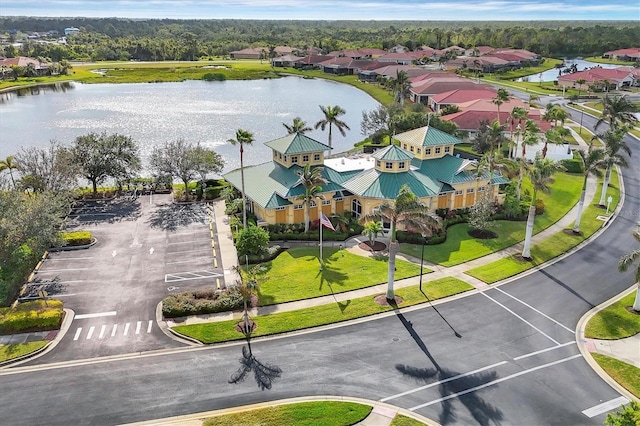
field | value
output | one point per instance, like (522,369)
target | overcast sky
(450,10)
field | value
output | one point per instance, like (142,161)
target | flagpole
(321,226)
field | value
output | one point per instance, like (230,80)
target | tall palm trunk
(393,249)
(306,216)
(636,301)
(583,193)
(244,198)
(520,178)
(605,185)
(526,251)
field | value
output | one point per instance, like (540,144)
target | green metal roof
(392,153)
(296,143)
(450,169)
(375,184)
(426,136)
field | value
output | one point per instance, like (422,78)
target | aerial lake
(196,111)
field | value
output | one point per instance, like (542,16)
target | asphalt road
(515,363)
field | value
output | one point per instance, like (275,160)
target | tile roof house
(458,96)
(630,54)
(423,160)
(422,90)
(40,68)
(596,77)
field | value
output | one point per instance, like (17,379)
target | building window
(418,150)
(481,189)
(401,165)
(411,148)
(447,149)
(388,165)
(356,208)
(312,203)
(338,199)
(405,146)
(427,151)
(326,202)
(285,158)
(294,159)
(305,158)
(469,190)
(459,192)
(279,209)
(378,163)
(297,207)
(438,150)
(316,157)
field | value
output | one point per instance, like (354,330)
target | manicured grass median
(326,413)
(295,274)
(614,322)
(8,352)
(217,332)
(400,420)
(553,246)
(626,374)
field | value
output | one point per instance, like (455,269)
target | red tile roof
(463,95)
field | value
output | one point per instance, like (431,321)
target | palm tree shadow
(264,374)
(450,388)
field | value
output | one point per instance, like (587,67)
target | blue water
(552,74)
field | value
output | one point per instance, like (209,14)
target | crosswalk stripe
(102,329)
(138,325)
(78,331)
(113,332)
(126,329)
(149,326)
(90,333)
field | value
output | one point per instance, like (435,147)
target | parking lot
(145,249)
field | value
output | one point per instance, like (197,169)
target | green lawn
(400,420)
(460,247)
(553,246)
(224,331)
(8,352)
(601,60)
(614,322)
(327,413)
(295,274)
(627,375)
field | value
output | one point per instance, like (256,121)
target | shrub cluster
(200,302)
(575,165)
(31,316)
(214,76)
(269,254)
(79,238)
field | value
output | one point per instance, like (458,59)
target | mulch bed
(376,246)
(519,258)
(570,232)
(382,300)
(240,326)
(630,309)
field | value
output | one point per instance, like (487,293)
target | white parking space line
(189,251)
(185,261)
(605,406)
(494,382)
(102,330)
(126,329)
(77,335)
(543,351)
(208,241)
(521,319)
(56,259)
(149,326)
(96,315)
(90,333)
(442,381)
(138,326)
(48,271)
(62,295)
(113,331)
(534,309)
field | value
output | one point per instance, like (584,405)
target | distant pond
(197,111)
(554,73)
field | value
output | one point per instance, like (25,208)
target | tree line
(170,39)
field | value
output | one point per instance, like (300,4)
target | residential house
(423,160)
(285,61)
(343,65)
(311,61)
(599,79)
(250,53)
(401,58)
(422,90)
(630,54)
(459,96)
(40,68)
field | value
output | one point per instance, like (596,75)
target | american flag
(324,221)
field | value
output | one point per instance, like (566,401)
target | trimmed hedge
(270,254)
(574,165)
(31,316)
(201,302)
(79,238)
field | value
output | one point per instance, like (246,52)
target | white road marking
(114,253)
(61,270)
(522,319)
(151,250)
(64,295)
(189,251)
(184,261)
(536,310)
(494,382)
(102,329)
(113,331)
(605,406)
(138,325)
(90,333)
(126,329)
(56,259)
(189,242)
(99,314)
(442,381)
(77,335)
(186,276)
(149,326)
(543,350)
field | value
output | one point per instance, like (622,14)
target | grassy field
(626,374)
(601,60)
(460,247)
(614,322)
(329,413)
(553,246)
(400,420)
(8,352)
(295,274)
(224,331)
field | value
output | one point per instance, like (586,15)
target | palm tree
(331,119)
(297,126)
(552,136)
(502,96)
(626,261)
(311,179)
(617,111)
(371,230)
(9,164)
(580,82)
(529,138)
(495,138)
(243,137)
(592,160)
(401,87)
(613,143)
(248,284)
(519,114)
(408,211)
(541,175)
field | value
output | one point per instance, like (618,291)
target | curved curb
(170,333)
(94,241)
(581,342)
(66,324)
(180,420)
